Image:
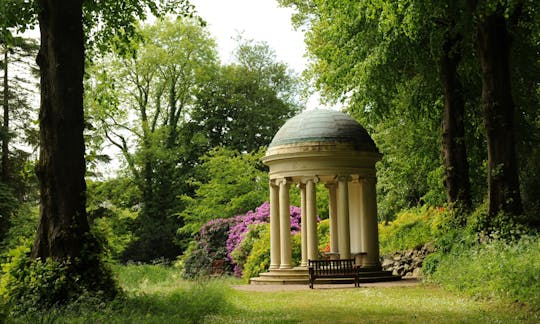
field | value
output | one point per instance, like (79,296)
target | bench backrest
(329,267)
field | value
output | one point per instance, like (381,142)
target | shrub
(258,260)
(110,225)
(23,227)
(411,229)
(499,268)
(207,246)
(244,249)
(222,239)
(323,234)
(239,232)
(33,285)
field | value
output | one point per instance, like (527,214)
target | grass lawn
(156,294)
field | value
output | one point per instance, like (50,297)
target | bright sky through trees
(260,20)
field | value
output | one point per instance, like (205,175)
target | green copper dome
(321,127)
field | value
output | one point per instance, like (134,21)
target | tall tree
(19,90)
(140,106)
(493,44)
(458,187)
(355,45)
(63,228)
(245,103)
(63,232)
(15,16)
(366,51)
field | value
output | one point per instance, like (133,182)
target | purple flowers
(218,238)
(239,231)
(261,214)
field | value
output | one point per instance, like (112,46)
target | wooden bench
(341,268)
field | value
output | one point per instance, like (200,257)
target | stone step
(285,275)
(277,281)
(301,276)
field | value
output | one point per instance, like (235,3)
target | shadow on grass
(217,302)
(186,305)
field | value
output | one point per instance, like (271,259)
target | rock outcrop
(408,263)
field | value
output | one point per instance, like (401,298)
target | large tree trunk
(63,226)
(493,46)
(458,187)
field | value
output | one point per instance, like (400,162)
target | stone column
(275,252)
(311,211)
(344,240)
(355,215)
(370,229)
(332,213)
(303,221)
(285,224)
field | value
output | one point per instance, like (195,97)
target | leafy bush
(240,231)
(32,284)
(498,268)
(244,249)
(220,238)
(323,234)
(411,229)
(231,183)
(208,245)
(23,227)
(258,260)
(110,225)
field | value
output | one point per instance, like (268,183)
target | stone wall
(408,263)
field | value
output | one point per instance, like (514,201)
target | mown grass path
(405,304)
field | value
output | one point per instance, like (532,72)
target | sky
(260,20)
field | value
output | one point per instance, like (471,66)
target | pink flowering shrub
(221,239)
(208,246)
(237,252)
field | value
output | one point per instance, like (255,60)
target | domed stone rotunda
(323,146)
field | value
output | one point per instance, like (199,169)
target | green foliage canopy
(233,184)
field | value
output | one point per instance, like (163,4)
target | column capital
(341,178)
(331,184)
(313,179)
(273,182)
(282,181)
